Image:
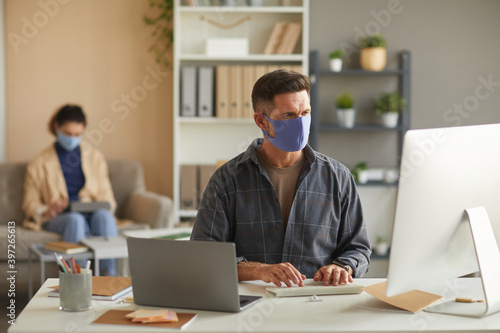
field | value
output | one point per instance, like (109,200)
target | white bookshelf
(208,140)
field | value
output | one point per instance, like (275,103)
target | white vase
(336,64)
(346,117)
(389,119)
(382,248)
(362,176)
(256,3)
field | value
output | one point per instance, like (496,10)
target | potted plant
(345,112)
(336,60)
(162,21)
(381,246)
(388,106)
(360,172)
(373,53)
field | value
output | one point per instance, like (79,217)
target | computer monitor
(443,172)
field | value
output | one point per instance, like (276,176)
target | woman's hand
(55,208)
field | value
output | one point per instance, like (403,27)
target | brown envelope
(413,301)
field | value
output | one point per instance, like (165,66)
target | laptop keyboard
(244,302)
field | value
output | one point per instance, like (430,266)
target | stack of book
(284,38)
(65,247)
(104,288)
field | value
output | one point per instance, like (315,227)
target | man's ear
(260,120)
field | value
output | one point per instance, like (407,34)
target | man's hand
(55,208)
(333,274)
(277,273)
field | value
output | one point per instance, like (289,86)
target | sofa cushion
(11,192)
(24,238)
(119,171)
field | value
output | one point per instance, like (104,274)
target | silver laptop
(185,274)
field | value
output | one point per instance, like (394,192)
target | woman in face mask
(70,170)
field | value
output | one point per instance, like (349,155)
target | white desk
(159,232)
(334,313)
(106,248)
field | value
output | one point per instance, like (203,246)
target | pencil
(73,265)
(59,263)
(66,265)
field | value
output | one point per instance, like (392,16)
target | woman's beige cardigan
(45,184)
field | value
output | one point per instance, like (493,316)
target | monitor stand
(488,257)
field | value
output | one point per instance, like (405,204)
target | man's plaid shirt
(326,223)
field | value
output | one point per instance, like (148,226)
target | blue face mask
(68,142)
(289,135)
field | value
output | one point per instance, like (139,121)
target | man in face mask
(293,213)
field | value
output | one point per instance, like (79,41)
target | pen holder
(75,291)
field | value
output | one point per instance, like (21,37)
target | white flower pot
(389,119)
(382,248)
(336,64)
(346,117)
(362,176)
(391,176)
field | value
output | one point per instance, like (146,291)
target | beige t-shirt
(284,181)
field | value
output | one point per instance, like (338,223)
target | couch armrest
(150,208)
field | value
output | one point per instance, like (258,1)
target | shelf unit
(319,76)
(209,140)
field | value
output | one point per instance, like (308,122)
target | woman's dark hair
(65,114)
(280,81)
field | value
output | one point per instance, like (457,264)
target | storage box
(228,47)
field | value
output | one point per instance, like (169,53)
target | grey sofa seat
(145,209)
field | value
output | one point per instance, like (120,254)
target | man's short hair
(280,81)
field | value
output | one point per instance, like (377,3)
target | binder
(260,70)
(296,68)
(206,172)
(222,91)
(248,82)
(272,68)
(188,91)
(235,92)
(189,192)
(205,91)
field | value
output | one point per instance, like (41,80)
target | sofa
(139,208)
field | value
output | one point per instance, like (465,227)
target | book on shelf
(283,38)
(275,37)
(65,247)
(104,288)
(290,38)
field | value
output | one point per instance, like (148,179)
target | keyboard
(316,290)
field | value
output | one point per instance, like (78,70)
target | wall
(3,113)
(454,51)
(93,53)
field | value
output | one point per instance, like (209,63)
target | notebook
(186,274)
(88,207)
(104,288)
